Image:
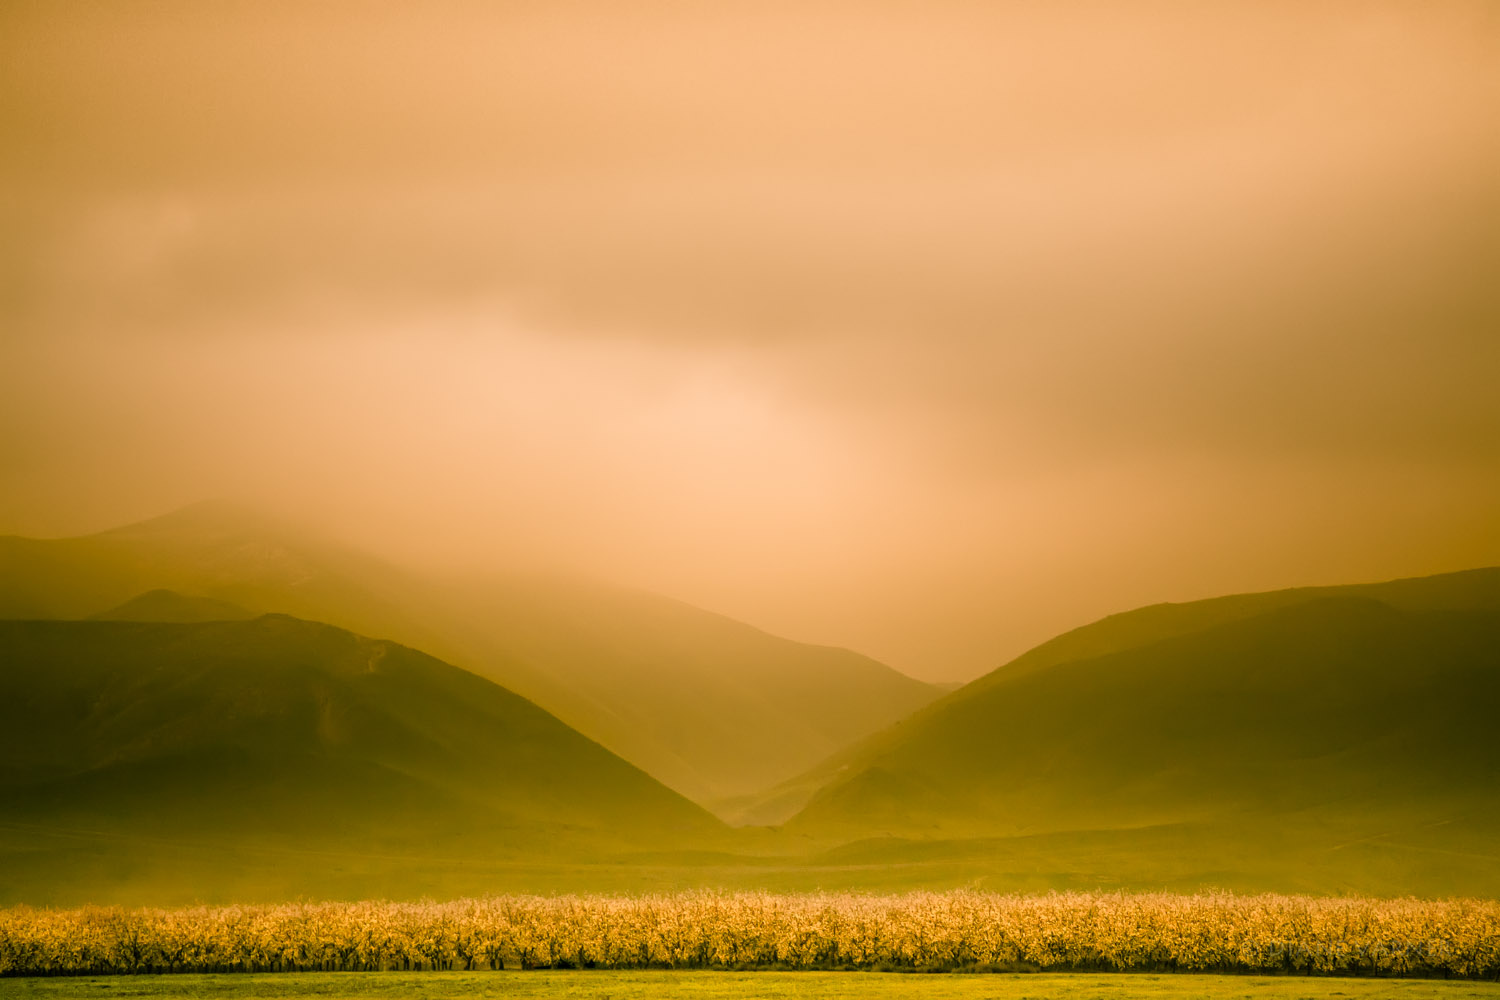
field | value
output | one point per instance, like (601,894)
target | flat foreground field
(620,985)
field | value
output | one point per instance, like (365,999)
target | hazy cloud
(927,329)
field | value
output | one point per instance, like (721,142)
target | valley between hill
(175,746)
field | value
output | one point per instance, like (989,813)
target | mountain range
(298,738)
(194,707)
(712,707)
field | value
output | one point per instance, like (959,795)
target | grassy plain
(611,985)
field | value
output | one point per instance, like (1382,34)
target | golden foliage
(922,930)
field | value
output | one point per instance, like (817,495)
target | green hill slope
(1469,590)
(710,706)
(132,741)
(1333,703)
(716,706)
(1328,741)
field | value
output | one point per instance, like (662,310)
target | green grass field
(740,986)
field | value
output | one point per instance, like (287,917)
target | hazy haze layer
(925,329)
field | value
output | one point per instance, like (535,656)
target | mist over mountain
(711,706)
(1320,739)
(296,753)
(628,415)
(163,605)
(927,330)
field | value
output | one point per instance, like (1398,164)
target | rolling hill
(292,754)
(1264,733)
(1336,701)
(1320,739)
(169,606)
(710,706)
(1469,590)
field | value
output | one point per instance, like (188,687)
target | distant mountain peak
(710,705)
(162,605)
(209,518)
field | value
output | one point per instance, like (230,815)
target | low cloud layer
(925,329)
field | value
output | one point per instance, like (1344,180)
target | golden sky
(929,329)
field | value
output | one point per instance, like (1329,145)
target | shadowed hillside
(710,706)
(1468,591)
(134,740)
(1272,741)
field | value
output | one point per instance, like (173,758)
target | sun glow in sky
(926,329)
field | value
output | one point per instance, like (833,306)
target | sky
(928,329)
